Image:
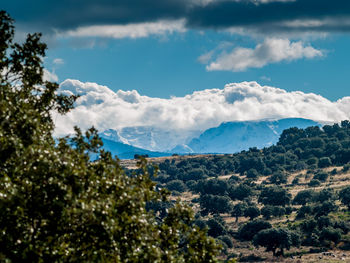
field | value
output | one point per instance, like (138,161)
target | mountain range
(228,137)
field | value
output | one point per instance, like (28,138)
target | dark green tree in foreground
(58,206)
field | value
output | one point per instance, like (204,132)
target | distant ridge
(231,137)
(125,151)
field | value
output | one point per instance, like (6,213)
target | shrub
(216,227)
(252,212)
(274,196)
(314,182)
(252,173)
(176,185)
(344,195)
(250,229)
(278,178)
(324,162)
(346,167)
(330,234)
(303,197)
(227,240)
(321,176)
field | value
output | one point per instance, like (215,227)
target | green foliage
(314,182)
(212,186)
(250,229)
(227,240)
(240,192)
(330,234)
(214,204)
(176,185)
(321,176)
(275,196)
(238,210)
(58,206)
(252,173)
(278,178)
(252,212)
(324,162)
(217,226)
(344,195)
(303,197)
(274,239)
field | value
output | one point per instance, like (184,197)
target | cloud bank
(100,106)
(272,50)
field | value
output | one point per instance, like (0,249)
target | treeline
(297,149)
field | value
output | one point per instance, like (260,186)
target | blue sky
(165,62)
(168,65)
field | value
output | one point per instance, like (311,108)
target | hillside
(291,199)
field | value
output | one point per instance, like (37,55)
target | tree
(176,185)
(321,176)
(216,226)
(252,173)
(274,239)
(278,178)
(214,204)
(344,195)
(252,212)
(330,234)
(267,211)
(303,197)
(238,210)
(275,196)
(58,206)
(324,162)
(240,192)
(212,186)
(250,229)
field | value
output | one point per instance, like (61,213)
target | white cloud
(272,50)
(206,57)
(58,61)
(103,108)
(265,78)
(135,30)
(50,76)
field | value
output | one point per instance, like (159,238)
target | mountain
(231,137)
(125,151)
(149,138)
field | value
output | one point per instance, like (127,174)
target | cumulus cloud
(50,76)
(100,106)
(135,30)
(272,50)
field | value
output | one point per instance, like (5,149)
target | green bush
(250,229)
(176,185)
(324,162)
(314,182)
(321,176)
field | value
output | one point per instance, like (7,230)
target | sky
(161,50)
